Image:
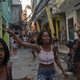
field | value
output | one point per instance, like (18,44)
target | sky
(24,3)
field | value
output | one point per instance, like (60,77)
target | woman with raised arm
(47,55)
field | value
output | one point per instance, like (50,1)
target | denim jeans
(46,74)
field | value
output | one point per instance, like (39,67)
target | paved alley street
(25,66)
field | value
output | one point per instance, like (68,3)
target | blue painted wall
(6,10)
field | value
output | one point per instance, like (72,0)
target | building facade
(16,10)
(72,10)
(5,18)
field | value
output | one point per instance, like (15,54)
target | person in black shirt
(77,55)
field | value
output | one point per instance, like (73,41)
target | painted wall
(6,14)
(70,7)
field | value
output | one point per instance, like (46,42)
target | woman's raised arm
(25,44)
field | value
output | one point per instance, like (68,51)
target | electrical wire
(32,19)
(36,12)
(36,8)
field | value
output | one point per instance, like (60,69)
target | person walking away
(47,55)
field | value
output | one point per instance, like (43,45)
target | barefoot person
(47,55)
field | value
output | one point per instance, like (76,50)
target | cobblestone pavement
(24,66)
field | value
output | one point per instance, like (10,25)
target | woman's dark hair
(7,56)
(39,37)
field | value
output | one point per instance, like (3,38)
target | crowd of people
(47,49)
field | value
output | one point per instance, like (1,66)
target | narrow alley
(25,66)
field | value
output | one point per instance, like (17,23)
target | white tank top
(46,57)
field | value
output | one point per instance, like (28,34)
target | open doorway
(71,28)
